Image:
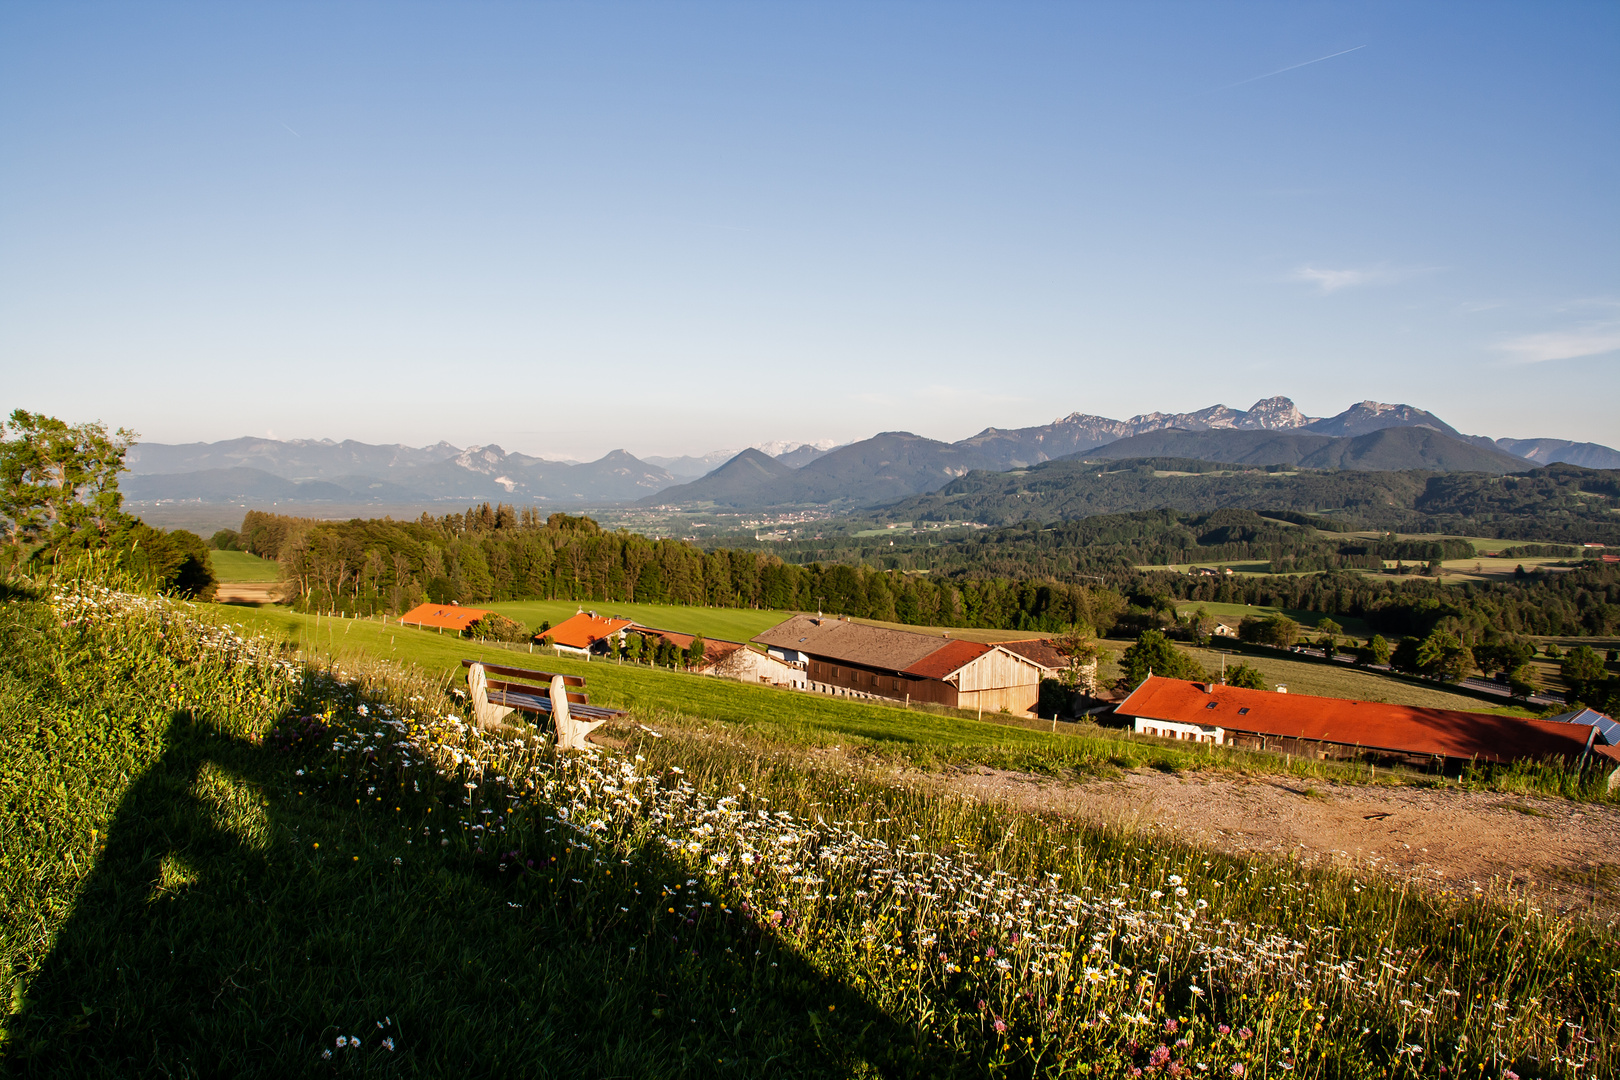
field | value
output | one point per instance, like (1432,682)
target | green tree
(1276,630)
(1582,664)
(1524,680)
(1153,654)
(694,652)
(1376,651)
(1329,632)
(1246,677)
(59,480)
(1082,657)
(1443,656)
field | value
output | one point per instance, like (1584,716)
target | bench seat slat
(537,703)
(543,691)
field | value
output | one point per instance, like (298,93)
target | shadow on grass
(242,919)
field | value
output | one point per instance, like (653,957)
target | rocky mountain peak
(1274,414)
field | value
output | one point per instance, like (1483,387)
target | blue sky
(678,227)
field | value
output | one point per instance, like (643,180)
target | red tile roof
(946,659)
(584,630)
(443,616)
(1375,726)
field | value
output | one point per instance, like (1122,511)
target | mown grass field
(242,566)
(231,864)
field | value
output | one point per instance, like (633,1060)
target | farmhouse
(582,633)
(442,617)
(1334,727)
(843,657)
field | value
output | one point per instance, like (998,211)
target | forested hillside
(1562,503)
(1113,544)
(496,553)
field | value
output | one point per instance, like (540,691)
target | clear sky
(679,227)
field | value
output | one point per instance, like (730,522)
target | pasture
(232,566)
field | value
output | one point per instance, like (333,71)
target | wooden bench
(497,691)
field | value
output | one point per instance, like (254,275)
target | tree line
(495,553)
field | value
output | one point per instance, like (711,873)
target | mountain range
(885,468)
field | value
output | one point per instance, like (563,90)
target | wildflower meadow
(227,859)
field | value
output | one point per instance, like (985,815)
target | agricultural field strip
(1114,965)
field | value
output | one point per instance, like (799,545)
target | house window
(1243,711)
(897,684)
(835,672)
(1211,705)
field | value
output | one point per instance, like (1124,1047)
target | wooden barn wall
(1020,700)
(882,683)
(996,670)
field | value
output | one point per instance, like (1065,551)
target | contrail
(283,123)
(1290,67)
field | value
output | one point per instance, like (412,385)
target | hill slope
(749,479)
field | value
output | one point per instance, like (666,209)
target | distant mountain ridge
(882,469)
(308,470)
(1382,450)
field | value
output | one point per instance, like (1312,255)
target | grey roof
(1608,727)
(854,643)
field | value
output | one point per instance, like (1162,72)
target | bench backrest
(526,673)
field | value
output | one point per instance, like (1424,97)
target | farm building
(442,617)
(1052,663)
(584,632)
(843,657)
(1339,728)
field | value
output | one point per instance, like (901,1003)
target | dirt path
(1566,854)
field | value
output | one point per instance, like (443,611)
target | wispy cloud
(1290,67)
(1329,280)
(1593,339)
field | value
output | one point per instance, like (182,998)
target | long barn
(872,661)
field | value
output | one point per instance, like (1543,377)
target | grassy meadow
(234,861)
(242,566)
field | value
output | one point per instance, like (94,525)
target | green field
(242,566)
(1352,626)
(725,624)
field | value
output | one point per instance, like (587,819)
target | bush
(497,627)
(1245,677)
(1276,630)
(1153,654)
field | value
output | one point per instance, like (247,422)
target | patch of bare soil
(249,592)
(1564,854)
